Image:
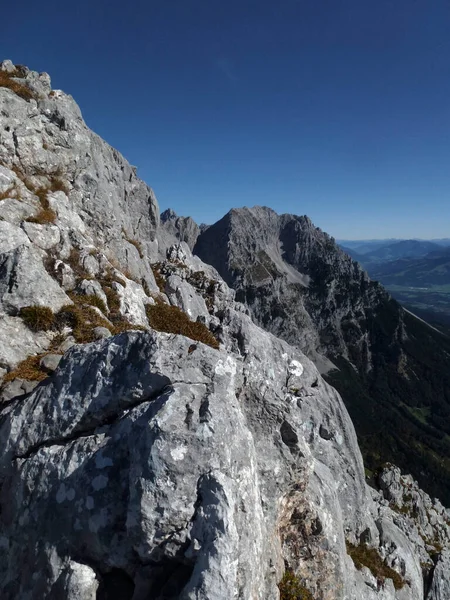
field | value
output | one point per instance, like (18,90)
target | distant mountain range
(369,246)
(416,273)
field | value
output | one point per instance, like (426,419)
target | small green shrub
(171,319)
(37,318)
(291,588)
(363,556)
(7,80)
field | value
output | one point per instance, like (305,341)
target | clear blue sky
(339,109)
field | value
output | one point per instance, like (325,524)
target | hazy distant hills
(426,271)
(416,272)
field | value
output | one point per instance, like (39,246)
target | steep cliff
(393,369)
(156,443)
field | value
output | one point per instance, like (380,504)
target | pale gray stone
(26,282)
(44,236)
(101,333)
(50,362)
(11,237)
(17,341)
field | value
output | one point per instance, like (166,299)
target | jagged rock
(24,281)
(44,236)
(195,416)
(300,286)
(133,300)
(440,586)
(17,387)
(7,66)
(175,228)
(90,287)
(183,295)
(11,237)
(67,344)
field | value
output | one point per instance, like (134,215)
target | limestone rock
(24,281)
(50,362)
(17,341)
(101,333)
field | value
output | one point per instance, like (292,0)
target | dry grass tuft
(11,192)
(46,215)
(7,80)
(59,185)
(291,588)
(363,556)
(82,319)
(90,299)
(171,319)
(159,277)
(37,318)
(28,369)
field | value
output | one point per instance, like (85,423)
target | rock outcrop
(391,368)
(155,442)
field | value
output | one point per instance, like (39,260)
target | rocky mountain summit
(156,442)
(391,368)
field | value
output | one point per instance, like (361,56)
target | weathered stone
(133,300)
(25,282)
(50,362)
(11,237)
(44,236)
(101,333)
(17,341)
(90,287)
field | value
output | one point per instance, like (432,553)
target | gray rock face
(157,461)
(177,229)
(147,464)
(300,286)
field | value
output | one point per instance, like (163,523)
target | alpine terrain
(165,432)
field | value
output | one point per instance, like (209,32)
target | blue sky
(338,109)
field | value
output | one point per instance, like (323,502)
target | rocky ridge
(390,367)
(138,461)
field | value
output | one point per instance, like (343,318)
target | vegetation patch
(363,556)
(90,299)
(171,319)
(82,319)
(159,277)
(46,215)
(28,369)
(8,80)
(37,318)
(291,588)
